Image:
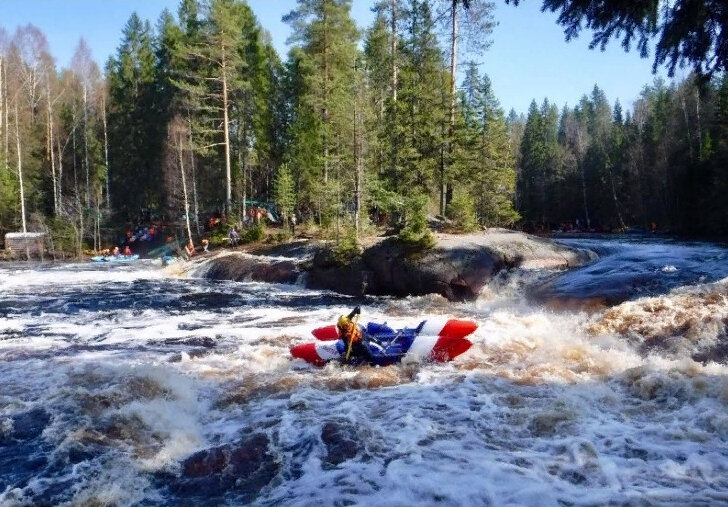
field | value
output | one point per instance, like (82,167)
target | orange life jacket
(351,333)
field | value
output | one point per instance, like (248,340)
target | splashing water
(124,385)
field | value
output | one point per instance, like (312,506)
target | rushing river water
(112,378)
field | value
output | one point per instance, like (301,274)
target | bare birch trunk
(687,126)
(583,192)
(3,133)
(60,174)
(56,204)
(106,154)
(85,144)
(20,168)
(446,190)
(617,205)
(75,171)
(395,42)
(194,177)
(7,118)
(184,188)
(700,128)
(395,83)
(226,129)
(243,163)
(357,167)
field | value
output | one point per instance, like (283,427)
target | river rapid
(138,385)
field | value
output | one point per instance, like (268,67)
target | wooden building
(20,244)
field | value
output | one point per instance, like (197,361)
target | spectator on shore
(234,237)
(190,250)
(205,245)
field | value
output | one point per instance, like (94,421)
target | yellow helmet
(343,322)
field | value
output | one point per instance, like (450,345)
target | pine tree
(320,145)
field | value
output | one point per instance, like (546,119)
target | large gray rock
(458,267)
(241,267)
(242,468)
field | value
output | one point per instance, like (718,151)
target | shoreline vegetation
(195,125)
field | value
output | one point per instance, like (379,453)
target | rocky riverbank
(457,267)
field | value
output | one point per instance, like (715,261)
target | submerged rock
(341,441)
(244,467)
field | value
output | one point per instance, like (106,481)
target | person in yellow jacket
(351,334)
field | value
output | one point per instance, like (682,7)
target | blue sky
(528,59)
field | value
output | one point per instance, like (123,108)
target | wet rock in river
(341,441)
(241,267)
(458,267)
(244,467)
(194,341)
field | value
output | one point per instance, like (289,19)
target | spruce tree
(320,145)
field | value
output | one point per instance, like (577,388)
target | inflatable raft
(432,340)
(115,258)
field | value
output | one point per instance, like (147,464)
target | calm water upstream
(111,377)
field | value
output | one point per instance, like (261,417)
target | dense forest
(198,115)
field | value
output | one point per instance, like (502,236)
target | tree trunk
(325,112)
(194,181)
(75,171)
(3,134)
(226,129)
(184,188)
(50,144)
(85,145)
(106,154)
(583,192)
(357,166)
(81,230)
(20,168)
(60,174)
(447,188)
(700,128)
(395,42)
(7,117)
(244,165)
(617,205)
(687,126)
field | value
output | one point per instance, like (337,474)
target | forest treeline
(198,114)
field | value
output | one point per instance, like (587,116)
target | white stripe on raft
(421,349)
(327,350)
(433,327)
